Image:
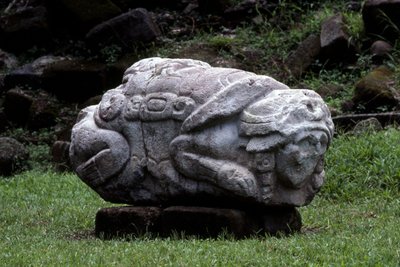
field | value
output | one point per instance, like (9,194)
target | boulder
(335,42)
(67,78)
(377,91)
(368,125)
(382,18)
(305,54)
(23,28)
(125,30)
(380,50)
(75,80)
(34,109)
(30,75)
(43,111)
(13,156)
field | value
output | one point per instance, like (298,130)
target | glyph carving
(180,131)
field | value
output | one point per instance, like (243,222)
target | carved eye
(179,105)
(266,162)
(156,104)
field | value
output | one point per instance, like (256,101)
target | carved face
(298,160)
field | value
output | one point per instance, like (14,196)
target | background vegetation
(47,218)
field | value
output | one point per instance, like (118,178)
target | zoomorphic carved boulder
(178,131)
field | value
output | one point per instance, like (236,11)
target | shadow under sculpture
(178,132)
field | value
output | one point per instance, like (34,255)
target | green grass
(363,165)
(47,219)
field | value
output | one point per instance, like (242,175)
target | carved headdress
(282,114)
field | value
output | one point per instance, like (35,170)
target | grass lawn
(46,219)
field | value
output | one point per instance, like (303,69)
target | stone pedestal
(198,221)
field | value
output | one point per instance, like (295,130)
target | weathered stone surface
(13,156)
(382,18)
(335,43)
(178,131)
(60,155)
(305,54)
(199,221)
(211,222)
(23,27)
(205,222)
(377,90)
(133,27)
(123,221)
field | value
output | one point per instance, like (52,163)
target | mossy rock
(376,91)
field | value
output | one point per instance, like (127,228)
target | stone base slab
(198,221)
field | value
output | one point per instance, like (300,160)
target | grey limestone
(180,132)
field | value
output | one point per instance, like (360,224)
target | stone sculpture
(180,132)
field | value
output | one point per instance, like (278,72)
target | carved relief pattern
(180,131)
